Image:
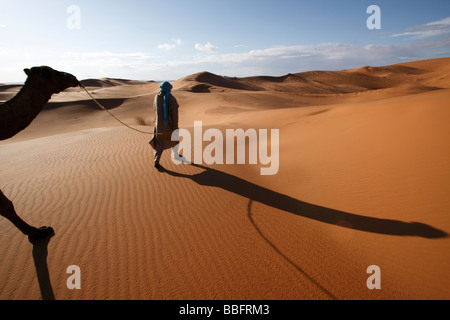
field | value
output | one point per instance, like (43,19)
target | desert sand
(364,180)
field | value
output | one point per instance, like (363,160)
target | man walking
(166,122)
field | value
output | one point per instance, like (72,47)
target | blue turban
(166,87)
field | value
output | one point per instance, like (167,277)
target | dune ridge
(320,82)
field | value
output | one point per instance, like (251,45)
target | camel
(17,114)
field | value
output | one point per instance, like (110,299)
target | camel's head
(55,81)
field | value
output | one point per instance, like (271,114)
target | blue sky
(159,40)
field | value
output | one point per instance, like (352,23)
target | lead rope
(102,107)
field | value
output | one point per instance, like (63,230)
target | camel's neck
(17,113)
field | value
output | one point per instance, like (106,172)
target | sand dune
(206,82)
(323,82)
(107,82)
(364,180)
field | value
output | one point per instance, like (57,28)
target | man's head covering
(166,87)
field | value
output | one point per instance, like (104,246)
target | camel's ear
(27,71)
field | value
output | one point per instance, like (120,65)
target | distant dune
(364,179)
(107,82)
(363,79)
(206,81)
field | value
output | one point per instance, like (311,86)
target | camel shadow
(40,253)
(215,178)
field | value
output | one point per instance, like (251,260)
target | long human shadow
(285,257)
(215,178)
(40,253)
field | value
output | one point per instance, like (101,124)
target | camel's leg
(7,210)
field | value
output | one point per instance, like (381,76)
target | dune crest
(323,82)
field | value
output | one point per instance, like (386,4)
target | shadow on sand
(281,254)
(215,178)
(212,177)
(40,254)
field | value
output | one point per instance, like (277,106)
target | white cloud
(104,73)
(208,47)
(445,21)
(166,46)
(177,41)
(7,53)
(106,55)
(169,46)
(427,30)
(324,56)
(275,61)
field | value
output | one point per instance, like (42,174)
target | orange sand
(363,153)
